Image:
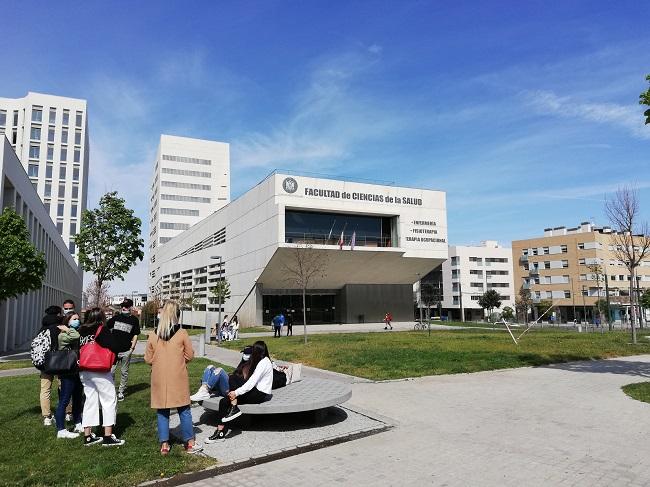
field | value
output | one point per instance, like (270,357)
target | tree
(96,295)
(644,300)
(631,241)
(597,270)
(603,309)
(22,266)
(429,295)
(507,313)
(188,301)
(220,292)
(644,99)
(523,302)
(304,266)
(149,312)
(109,240)
(544,307)
(489,300)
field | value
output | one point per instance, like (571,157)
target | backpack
(41,343)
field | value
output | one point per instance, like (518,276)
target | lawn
(190,332)
(398,355)
(257,329)
(639,391)
(33,456)
(16,364)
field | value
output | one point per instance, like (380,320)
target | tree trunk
(304,315)
(98,292)
(632,307)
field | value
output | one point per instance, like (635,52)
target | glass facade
(326,228)
(321,308)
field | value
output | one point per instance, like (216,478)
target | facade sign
(290,185)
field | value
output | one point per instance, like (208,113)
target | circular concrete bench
(306,395)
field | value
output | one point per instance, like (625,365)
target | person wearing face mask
(124,328)
(71,387)
(68,307)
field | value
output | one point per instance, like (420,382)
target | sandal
(164,450)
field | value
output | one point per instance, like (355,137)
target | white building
(472,270)
(191,180)
(20,318)
(50,136)
(399,234)
(139,299)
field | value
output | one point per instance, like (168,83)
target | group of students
(229,329)
(279,321)
(66,332)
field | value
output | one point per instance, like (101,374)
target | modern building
(191,180)
(50,136)
(573,268)
(472,270)
(372,241)
(20,318)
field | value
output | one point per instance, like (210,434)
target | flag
(329,237)
(341,240)
(354,240)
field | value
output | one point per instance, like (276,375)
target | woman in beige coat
(168,351)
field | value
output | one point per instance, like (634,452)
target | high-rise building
(472,270)
(191,180)
(573,268)
(50,136)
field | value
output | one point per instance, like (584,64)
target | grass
(190,332)
(398,355)
(32,455)
(16,364)
(256,329)
(473,324)
(639,391)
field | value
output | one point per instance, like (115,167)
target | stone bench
(307,395)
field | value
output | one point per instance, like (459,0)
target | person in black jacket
(125,328)
(51,320)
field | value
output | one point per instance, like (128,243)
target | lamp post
(584,308)
(573,295)
(206,335)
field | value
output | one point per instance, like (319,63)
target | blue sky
(525,113)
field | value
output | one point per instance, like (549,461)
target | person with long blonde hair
(168,351)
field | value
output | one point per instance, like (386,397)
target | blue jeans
(216,379)
(71,388)
(187,428)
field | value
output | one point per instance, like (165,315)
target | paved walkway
(567,424)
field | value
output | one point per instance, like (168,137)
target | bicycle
(420,326)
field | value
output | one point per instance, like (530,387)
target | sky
(525,113)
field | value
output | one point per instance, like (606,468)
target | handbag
(58,362)
(94,357)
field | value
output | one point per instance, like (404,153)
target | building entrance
(321,308)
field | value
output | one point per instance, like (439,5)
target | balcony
(534,271)
(523,259)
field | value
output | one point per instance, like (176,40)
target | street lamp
(584,308)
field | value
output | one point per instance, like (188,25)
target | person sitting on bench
(256,390)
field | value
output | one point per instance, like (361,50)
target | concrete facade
(191,180)
(469,272)
(364,278)
(50,136)
(20,318)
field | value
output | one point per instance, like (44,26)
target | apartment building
(191,180)
(49,134)
(573,268)
(469,272)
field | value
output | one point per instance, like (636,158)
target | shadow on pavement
(623,367)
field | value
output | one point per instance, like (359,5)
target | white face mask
(68,311)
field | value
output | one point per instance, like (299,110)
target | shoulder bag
(94,357)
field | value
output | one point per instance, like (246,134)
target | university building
(374,241)
(20,318)
(573,268)
(49,134)
(470,272)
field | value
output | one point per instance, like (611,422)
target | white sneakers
(66,434)
(78,428)
(47,420)
(202,394)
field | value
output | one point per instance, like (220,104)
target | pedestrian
(278,321)
(388,318)
(99,386)
(125,329)
(289,322)
(50,321)
(224,328)
(235,327)
(168,351)
(71,388)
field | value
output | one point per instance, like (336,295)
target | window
(77,137)
(62,171)
(76,155)
(66,117)
(189,160)
(61,190)
(564,249)
(50,152)
(59,209)
(48,189)
(3,118)
(75,192)
(179,211)
(565,264)
(78,119)
(50,134)
(48,171)
(178,197)
(71,246)
(14,137)
(37,115)
(59,226)
(455,260)
(174,226)
(34,151)
(32,170)
(476,272)
(547,264)
(534,251)
(52,115)
(64,154)
(183,172)
(73,228)
(545,250)
(75,173)
(64,136)
(73,210)
(47,207)
(581,246)
(175,184)
(165,239)
(581,261)
(35,133)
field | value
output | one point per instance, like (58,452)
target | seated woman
(255,390)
